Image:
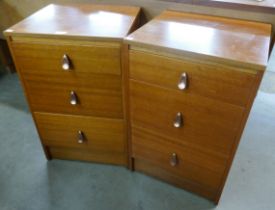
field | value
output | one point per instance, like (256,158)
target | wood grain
(154,170)
(45,149)
(230,85)
(45,58)
(229,41)
(208,124)
(126,100)
(197,171)
(87,155)
(251,99)
(82,21)
(264,7)
(101,134)
(85,33)
(55,97)
(224,59)
(154,147)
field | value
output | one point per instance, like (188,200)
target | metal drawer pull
(183,83)
(178,122)
(73,98)
(174,160)
(66,63)
(80,137)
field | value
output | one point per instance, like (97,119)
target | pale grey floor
(29,182)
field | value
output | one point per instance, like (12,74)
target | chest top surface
(223,39)
(78,20)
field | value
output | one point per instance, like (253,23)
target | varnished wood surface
(194,165)
(101,134)
(154,170)
(224,60)
(207,124)
(252,96)
(264,7)
(45,149)
(87,155)
(95,76)
(231,41)
(230,85)
(45,57)
(91,36)
(125,95)
(55,97)
(78,20)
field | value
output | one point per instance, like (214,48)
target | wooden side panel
(9,41)
(126,101)
(252,96)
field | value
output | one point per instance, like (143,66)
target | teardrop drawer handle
(178,122)
(80,137)
(174,160)
(66,63)
(73,98)
(183,82)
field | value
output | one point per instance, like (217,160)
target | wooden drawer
(99,134)
(100,97)
(85,57)
(66,153)
(154,170)
(192,165)
(214,81)
(208,125)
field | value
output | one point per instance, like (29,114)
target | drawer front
(197,167)
(206,124)
(47,59)
(154,170)
(86,155)
(229,85)
(101,97)
(95,134)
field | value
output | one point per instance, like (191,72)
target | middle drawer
(204,123)
(96,95)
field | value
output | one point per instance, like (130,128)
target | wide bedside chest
(69,58)
(192,82)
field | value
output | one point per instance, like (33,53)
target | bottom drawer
(87,155)
(82,136)
(199,169)
(152,169)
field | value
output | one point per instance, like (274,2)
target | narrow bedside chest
(192,82)
(70,64)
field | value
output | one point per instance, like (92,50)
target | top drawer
(46,57)
(214,81)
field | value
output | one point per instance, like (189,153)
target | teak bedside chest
(171,100)
(69,61)
(193,79)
